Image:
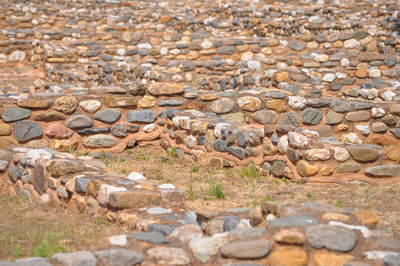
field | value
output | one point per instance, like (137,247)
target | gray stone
(25,194)
(349,167)
(109,116)
(391,260)
(220,145)
(395,132)
(230,223)
(62,192)
(339,106)
(333,118)
(297,45)
(81,258)
(237,151)
(116,257)
(247,233)
(145,116)
(204,248)
(33,261)
(382,171)
(242,137)
(79,121)
(151,237)
(361,105)
(225,105)
(253,249)
(171,102)
(3,165)
(290,118)
(331,237)
(226,50)
(278,168)
(311,116)
(14,172)
(161,228)
(81,184)
(27,130)
(265,117)
(390,61)
(362,154)
(15,114)
(293,221)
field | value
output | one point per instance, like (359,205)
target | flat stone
(225,105)
(15,114)
(171,102)
(339,106)
(246,233)
(311,116)
(293,221)
(349,167)
(151,237)
(81,258)
(48,116)
(291,237)
(145,116)
(79,121)
(5,130)
(333,118)
(99,141)
(187,232)
(362,154)
(58,131)
(161,228)
(331,237)
(265,117)
(230,223)
(109,116)
(358,116)
(120,101)
(382,171)
(253,249)
(27,130)
(115,257)
(323,258)
(34,103)
(277,105)
(204,248)
(288,256)
(297,45)
(164,88)
(290,118)
(60,168)
(134,199)
(168,255)
(90,106)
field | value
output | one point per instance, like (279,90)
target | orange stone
(361,73)
(276,105)
(330,259)
(367,217)
(288,256)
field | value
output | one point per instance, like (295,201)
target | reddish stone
(58,131)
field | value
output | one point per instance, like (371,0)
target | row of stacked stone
(229,124)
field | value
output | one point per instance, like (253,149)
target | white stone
(352,43)
(158,210)
(297,140)
(218,128)
(247,56)
(244,223)
(379,254)
(341,154)
(253,64)
(363,129)
(329,77)
(3,58)
(206,44)
(149,128)
(350,138)
(374,72)
(185,233)
(341,75)
(388,95)
(190,141)
(3,165)
(317,155)
(119,240)
(184,124)
(44,198)
(121,52)
(166,186)
(144,46)
(164,51)
(345,62)
(378,112)
(104,193)
(135,176)
(297,102)
(36,154)
(364,230)
(283,144)
(90,106)
(17,56)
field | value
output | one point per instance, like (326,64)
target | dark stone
(220,145)
(145,116)
(226,50)
(81,184)
(290,118)
(151,237)
(14,172)
(293,221)
(230,223)
(171,102)
(39,180)
(339,106)
(94,130)
(27,130)
(237,151)
(278,168)
(331,237)
(116,257)
(109,116)
(242,138)
(15,114)
(311,116)
(161,228)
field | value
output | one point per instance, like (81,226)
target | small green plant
(142,156)
(216,190)
(50,245)
(300,181)
(268,198)
(311,197)
(194,168)
(285,181)
(229,173)
(121,160)
(191,194)
(251,172)
(339,203)
(69,150)
(368,206)
(16,249)
(129,152)
(333,191)
(172,152)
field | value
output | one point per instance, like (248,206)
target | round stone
(331,237)
(225,105)
(253,249)
(79,121)
(15,114)
(108,116)
(249,103)
(65,104)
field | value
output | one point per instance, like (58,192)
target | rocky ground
(287,92)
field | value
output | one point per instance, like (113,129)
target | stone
(230,223)
(311,116)
(151,238)
(99,141)
(331,237)
(297,45)
(305,169)
(333,118)
(90,106)
(391,260)
(348,167)
(117,256)
(60,168)
(224,105)
(358,116)
(379,127)
(120,101)
(393,153)
(291,237)
(382,171)
(187,232)
(6,142)
(65,104)
(134,199)
(15,114)
(5,130)
(278,168)
(226,50)
(317,155)
(79,121)
(293,221)
(330,259)
(168,255)
(297,140)
(297,102)
(26,130)
(109,116)
(339,106)
(118,240)
(249,103)
(234,117)
(277,105)
(265,117)
(58,131)
(247,233)
(341,154)
(336,217)
(39,179)
(145,116)
(48,116)
(288,256)
(253,249)
(164,88)
(147,101)
(280,76)
(161,228)
(366,217)
(80,258)
(81,184)
(290,118)
(34,103)
(204,248)
(362,154)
